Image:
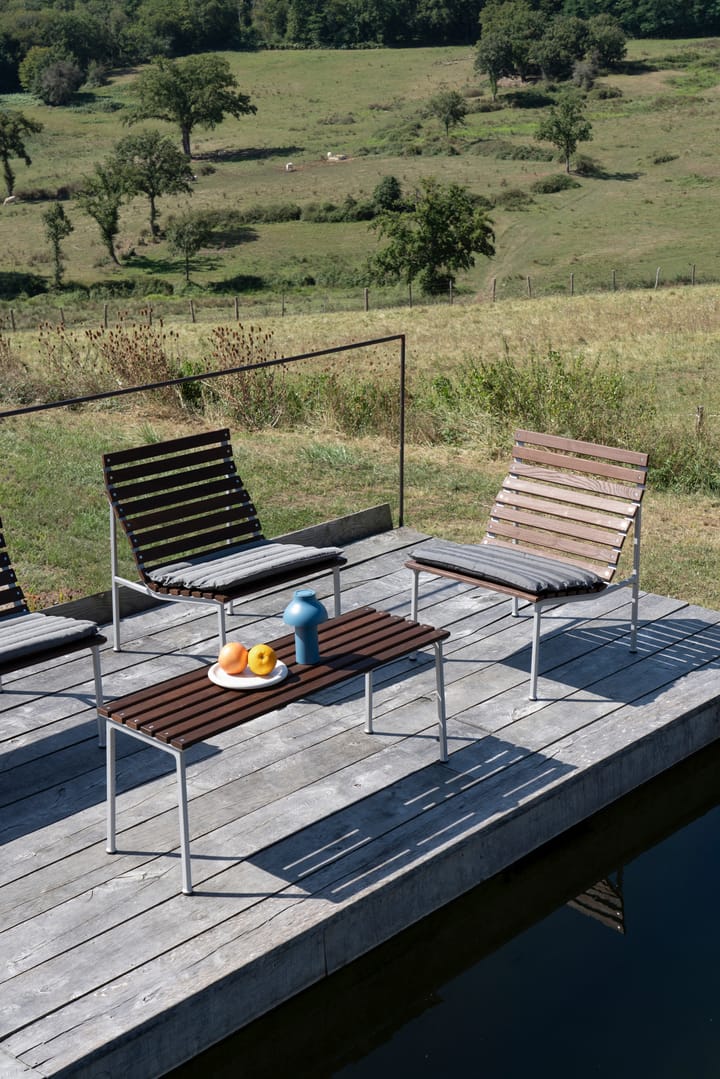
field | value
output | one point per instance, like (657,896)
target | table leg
(368,702)
(184,829)
(110,780)
(440,691)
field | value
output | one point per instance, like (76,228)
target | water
(511,981)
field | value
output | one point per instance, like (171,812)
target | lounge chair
(193,529)
(556,531)
(29,638)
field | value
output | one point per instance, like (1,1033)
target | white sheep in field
(289,167)
(11,200)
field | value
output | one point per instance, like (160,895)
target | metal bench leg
(336,591)
(414,594)
(440,691)
(221,624)
(514,606)
(184,829)
(368,703)
(97,675)
(535,653)
(110,771)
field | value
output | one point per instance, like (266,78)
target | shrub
(513,199)
(523,153)
(554,393)
(605,93)
(548,185)
(584,165)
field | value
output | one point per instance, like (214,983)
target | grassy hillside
(666,342)
(646,207)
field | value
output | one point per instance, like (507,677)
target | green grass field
(647,208)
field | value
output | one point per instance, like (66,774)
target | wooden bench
(556,532)
(190,708)
(194,532)
(28,639)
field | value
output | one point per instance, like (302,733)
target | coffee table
(189,708)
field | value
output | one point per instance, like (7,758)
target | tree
(566,125)
(151,165)
(449,107)
(516,24)
(57,227)
(59,81)
(195,91)
(439,236)
(494,58)
(186,235)
(607,39)
(565,40)
(101,198)
(14,129)
(388,194)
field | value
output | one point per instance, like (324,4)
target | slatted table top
(189,708)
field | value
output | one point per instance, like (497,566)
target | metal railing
(71,402)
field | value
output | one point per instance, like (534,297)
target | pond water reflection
(514,979)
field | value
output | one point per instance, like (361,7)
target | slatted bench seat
(556,532)
(194,532)
(30,638)
(190,708)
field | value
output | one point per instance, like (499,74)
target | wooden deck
(312,842)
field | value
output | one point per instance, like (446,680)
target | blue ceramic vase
(304,613)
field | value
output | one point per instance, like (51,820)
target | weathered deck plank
(311,841)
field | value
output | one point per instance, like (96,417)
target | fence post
(572,284)
(237,309)
(410,292)
(657,277)
(529,287)
(105,315)
(12,318)
(692,273)
(699,420)
(614,285)
(494,288)
(366,297)
(282,306)
(149,316)
(62,317)
(192,310)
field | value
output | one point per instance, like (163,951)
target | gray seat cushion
(236,566)
(513,568)
(24,635)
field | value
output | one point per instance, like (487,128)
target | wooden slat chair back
(29,638)
(557,530)
(193,528)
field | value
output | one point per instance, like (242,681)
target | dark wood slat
(208,502)
(166,465)
(157,555)
(614,453)
(208,522)
(169,487)
(188,442)
(190,708)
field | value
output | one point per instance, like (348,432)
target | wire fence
(210,310)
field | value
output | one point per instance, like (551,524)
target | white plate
(247,680)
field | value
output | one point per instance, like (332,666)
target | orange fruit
(233,657)
(262,659)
